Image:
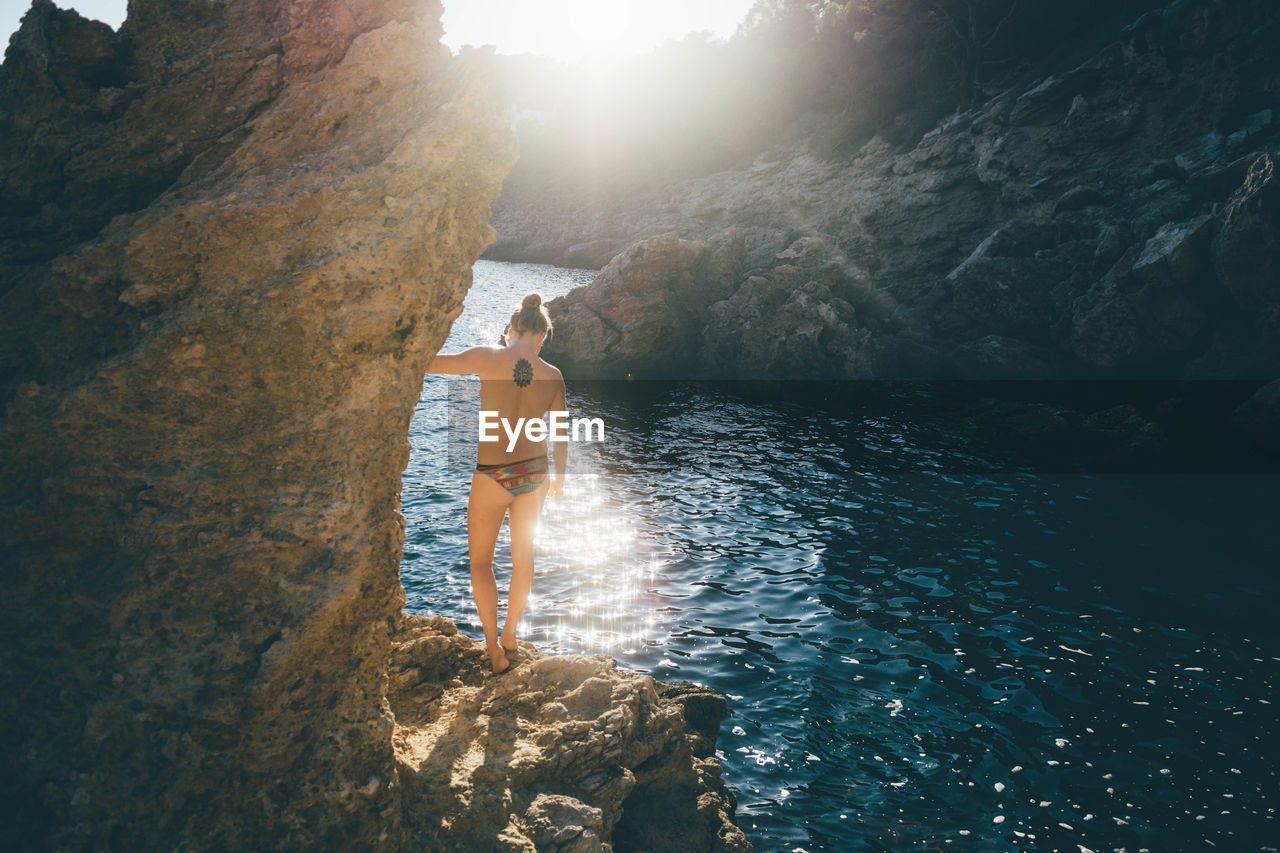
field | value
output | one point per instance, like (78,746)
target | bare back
(517,386)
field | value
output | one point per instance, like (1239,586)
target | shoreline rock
(563,753)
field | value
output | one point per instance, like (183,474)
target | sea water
(918,655)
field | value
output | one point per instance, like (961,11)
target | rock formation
(1246,246)
(646,309)
(562,753)
(1116,218)
(234,236)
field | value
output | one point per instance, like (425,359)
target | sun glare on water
(597,580)
(608,578)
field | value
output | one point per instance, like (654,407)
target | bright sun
(572,30)
(597,26)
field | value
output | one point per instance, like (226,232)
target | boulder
(1050,101)
(642,314)
(1106,329)
(1246,249)
(809,253)
(1017,238)
(1078,198)
(1045,103)
(1113,240)
(668,306)
(1176,256)
(1124,432)
(1151,305)
(564,753)
(591,255)
(1099,121)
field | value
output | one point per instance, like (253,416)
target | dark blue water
(918,657)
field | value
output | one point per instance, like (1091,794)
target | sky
(568,30)
(109,11)
(571,30)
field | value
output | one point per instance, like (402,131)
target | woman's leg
(485,509)
(523,522)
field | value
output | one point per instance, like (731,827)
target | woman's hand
(557,488)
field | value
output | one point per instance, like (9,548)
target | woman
(516,383)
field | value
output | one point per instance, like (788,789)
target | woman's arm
(467,361)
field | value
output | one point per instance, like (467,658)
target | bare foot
(497,660)
(510,646)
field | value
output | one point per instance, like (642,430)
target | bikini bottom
(518,477)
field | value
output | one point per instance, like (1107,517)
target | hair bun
(533,300)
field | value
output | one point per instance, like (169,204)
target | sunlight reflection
(605,578)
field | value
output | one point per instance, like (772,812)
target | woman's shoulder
(545,371)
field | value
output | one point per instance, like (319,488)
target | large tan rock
(207,375)
(564,753)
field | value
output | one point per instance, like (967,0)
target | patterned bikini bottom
(518,477)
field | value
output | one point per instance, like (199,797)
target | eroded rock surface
(645,310)
(234,236)
(683,307)
(564,753)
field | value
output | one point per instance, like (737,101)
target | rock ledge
(564,753)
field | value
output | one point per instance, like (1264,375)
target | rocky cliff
(1115,218)
(234,236)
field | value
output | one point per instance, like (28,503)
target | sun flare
(597,26)
(587,29)
(575,30)
(585,537)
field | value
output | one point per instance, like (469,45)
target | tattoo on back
(523,374)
